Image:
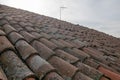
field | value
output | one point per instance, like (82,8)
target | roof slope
(36,47)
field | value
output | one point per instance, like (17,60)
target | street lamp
(61,11)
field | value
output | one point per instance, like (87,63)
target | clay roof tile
(25,49)
(16,68)
(5,44)
(7,28)
(67,70)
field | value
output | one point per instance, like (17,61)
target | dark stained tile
(58,36)
(25,49)
(96,51)
(72,43)
(17,27)
(29,29)
(12,22)
(2,22)
(53,76)
(23,24)
(66,56)
(48,43)
(28,37)
(14,37)
(89,71)
(92,63)
(1,16)
(77,53)
(45,35)
(66,70)
(37,29)
(79,43)
(5,44)
(39,65)
(43,50)
(8,18)
(80,76)
(36,35)
(81,52)
(95,55)
(16,69)
(60,45)
(52,30)
(7,28)
(65,43)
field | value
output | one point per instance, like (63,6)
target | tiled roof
(37,47)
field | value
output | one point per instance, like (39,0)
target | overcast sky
(102,15)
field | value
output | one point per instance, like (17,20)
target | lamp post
(61,11)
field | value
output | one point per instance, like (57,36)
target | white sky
(102,15)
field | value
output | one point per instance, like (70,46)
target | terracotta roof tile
(23,24)
(95,55)
(61,65)
(79,43)
(14,37)
(5,44)
(66,56)
(43,50)
(36,35)
(16,69)
(110,74)
(25,49)
(80,76)
(39,65)
(96,51)
(77,53)
(57,43)
(48,43)
(107,67)
(81,52)
(17,27)
(65,43)
(2,22)
(92,63)
(7,28)
(72,43)
(89,71)
(45,35)
(28,37)
(29,29)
